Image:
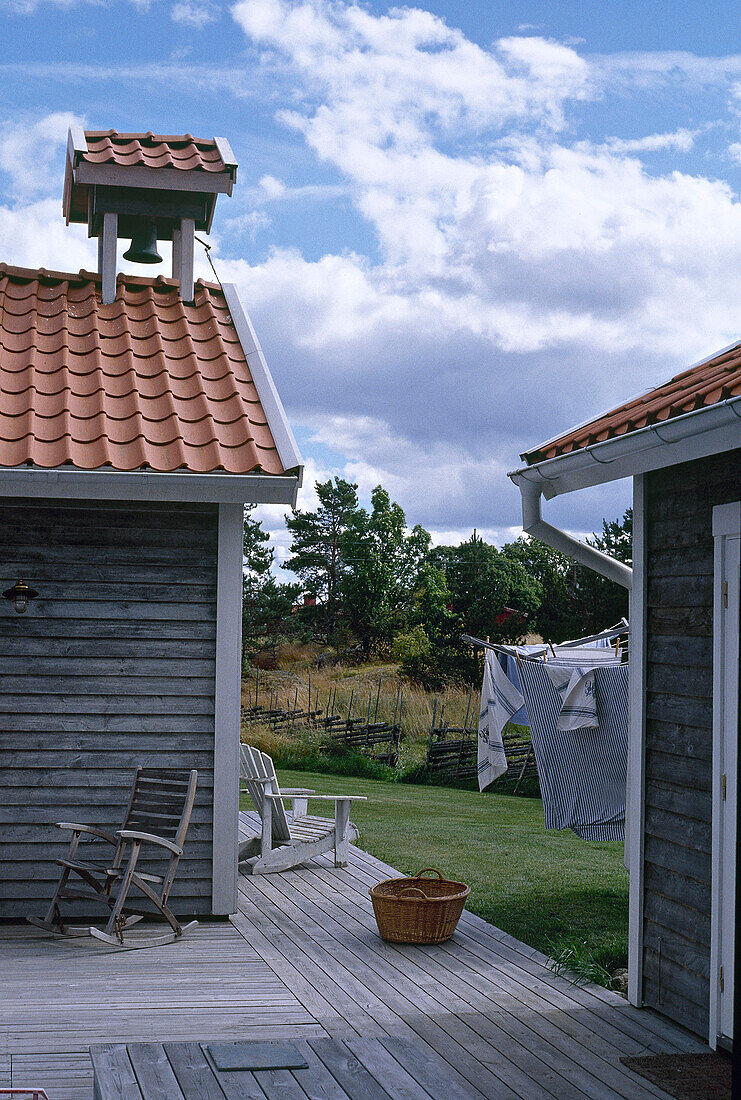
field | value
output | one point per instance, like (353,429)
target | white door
(726,522)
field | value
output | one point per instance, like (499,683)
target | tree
(604,602)
(256,552)
(575,600)
(483,581)
(266,603)
(316,547)
(431,651)
(382,566)
(616,538)
(556,616)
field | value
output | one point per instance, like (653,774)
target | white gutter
(684,438)
(692,435)
(534,525)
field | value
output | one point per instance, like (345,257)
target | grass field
(552,890)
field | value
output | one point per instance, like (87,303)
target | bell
(143,248)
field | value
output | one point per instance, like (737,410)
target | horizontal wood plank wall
(112,666)
(679,688)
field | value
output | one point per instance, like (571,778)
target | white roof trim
(76,142)
(66,482)
(224,150)
(272,405)
(697,434)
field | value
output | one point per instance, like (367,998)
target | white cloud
(680,140)
(192,14)
(252,222)
(525,280)
(655,69)
(29,7)
(30,152)
(272,187)
(412,68)
(34,235)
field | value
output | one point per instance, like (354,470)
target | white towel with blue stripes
(578,694)
(500,699)
(582,771)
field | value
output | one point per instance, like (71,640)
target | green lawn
(550,889)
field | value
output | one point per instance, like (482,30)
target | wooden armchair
(282,845)
(157,819)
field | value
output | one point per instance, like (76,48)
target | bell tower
(145,188)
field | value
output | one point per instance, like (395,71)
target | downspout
(535,525)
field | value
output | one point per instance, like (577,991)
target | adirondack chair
(282,845)
(157,818)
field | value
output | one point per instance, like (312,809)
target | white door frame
(727,538)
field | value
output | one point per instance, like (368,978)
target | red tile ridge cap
(179,151)
(96,135)
(28,274)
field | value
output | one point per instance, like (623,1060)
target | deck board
(302,960)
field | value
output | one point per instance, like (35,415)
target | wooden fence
(357,730)
(452,751)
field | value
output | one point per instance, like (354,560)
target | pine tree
(266,603)
(316,547)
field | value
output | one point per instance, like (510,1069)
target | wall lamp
(19,595)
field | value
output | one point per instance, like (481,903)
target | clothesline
(612,632)
(576,705)
(617,631)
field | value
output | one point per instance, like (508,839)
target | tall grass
(371,689)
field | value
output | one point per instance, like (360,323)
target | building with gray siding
(681,444)
(137,417)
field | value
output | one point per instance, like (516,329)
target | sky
(459,228)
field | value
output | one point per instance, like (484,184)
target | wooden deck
(302,959)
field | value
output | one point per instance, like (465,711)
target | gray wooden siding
(679,688)
(112,666)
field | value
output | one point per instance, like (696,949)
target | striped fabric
(578,694)
(582,772)
(584,655)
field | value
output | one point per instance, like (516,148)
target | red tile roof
(147,382)
(706,384)
(180,151)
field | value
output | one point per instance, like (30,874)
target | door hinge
(721,979)
(725,593)
(723,786)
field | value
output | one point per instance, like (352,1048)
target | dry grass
(371,689)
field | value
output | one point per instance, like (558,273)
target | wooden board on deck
(302,961)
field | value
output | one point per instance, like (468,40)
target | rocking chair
(157,817)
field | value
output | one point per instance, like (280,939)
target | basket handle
(410,890)
(424,871)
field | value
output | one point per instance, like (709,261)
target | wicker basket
(418,910)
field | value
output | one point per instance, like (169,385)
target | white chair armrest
(338,797)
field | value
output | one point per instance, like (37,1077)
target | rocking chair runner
(282,845)
(157,817)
